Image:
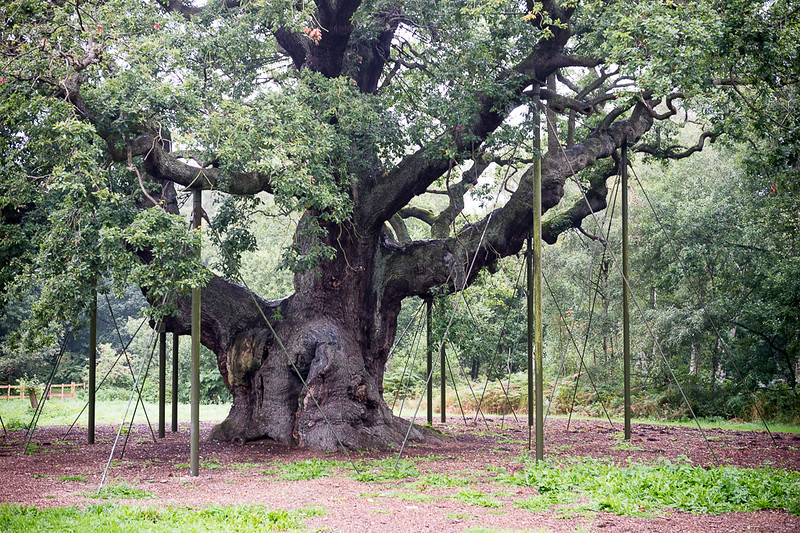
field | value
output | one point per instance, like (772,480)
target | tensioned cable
(405,330)
(405,365)
(697,291)
(139,390)
(607,217)
(157,325)
(653,335)
(455,389)
(569,334)
(416,342)
(453,314)
(638,306)
(511,350)
(502,333)
(479,409)
(134,389)
(127,409)
(38,412)
(108,373)
(5,431)
(479,326)
(283,348)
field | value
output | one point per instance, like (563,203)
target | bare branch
(677,151)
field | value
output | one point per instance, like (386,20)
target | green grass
(477,498)
(120,491)
(408,496)
(379,470)
(309,469)
(17,414)
(244,466)
(81,479)
(109,518)
(640,488)
(459,516)
(715,422)
(438,481)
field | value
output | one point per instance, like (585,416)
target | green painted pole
(626,319)
(429,358)
(174,382)
(442,372)
(537,285)
(92,367)
(194,446)
(162,380)
(530,335)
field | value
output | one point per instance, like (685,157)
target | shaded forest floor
(67,472)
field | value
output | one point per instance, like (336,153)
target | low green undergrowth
(642,488)
(375,470)
(387,469)
(309,469)
(120,491)
(439,481)
(477,498)
(82,479)
(108,518)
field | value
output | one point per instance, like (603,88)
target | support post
(174,382)
(626,319)
(530,333)
(443,374)
(92,367)
(429,358)
(194,446)
(537,272)
(162,379)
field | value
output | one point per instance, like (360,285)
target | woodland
(359,158)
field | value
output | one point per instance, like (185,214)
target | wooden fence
(62,390)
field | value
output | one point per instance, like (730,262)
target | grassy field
(110,517)
(17,414)
(410,410)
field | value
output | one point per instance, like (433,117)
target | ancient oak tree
(339,115)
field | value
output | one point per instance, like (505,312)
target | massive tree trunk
(318,379)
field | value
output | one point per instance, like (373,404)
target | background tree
(344,113)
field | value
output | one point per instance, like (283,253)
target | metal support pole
(443,374)
(162,380)
(194,446)
(429,358)
(626,319)
(174,382)
(92,366)
(537,272)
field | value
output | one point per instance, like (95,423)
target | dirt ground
(234,474)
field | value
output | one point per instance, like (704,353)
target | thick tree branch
(593,201)
(335,25)
(227,312)
(560,104)
(155,149)
(420,266)
(456,192)
(428,217)
(381,198)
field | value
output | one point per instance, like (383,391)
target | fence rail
(61,390)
